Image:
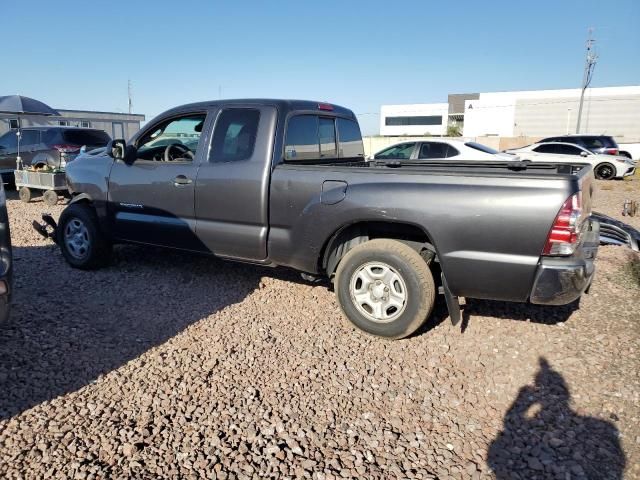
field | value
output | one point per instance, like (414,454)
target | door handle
(181,180)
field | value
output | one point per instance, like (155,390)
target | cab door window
(172,140)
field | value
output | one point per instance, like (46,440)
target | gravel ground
(168,365)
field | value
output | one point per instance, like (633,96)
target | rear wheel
(81,241)
(605,171)
(385,288)
(50,197)
(25,194)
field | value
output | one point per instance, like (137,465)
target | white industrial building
(609,110)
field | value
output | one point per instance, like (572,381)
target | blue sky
(79,54)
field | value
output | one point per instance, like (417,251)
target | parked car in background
(441,149)
(630,150)
(604,144)
(605,167)
(6,259)
(284,182)
(40,146)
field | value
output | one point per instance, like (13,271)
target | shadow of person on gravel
(68,327)
(543,438)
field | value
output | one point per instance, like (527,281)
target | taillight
(325,106)
(63,148)
(611,151)
(564,235)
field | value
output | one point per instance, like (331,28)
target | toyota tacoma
(285,183)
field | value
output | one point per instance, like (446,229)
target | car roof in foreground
(282,104)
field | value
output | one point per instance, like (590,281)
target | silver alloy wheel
(76,238)
(605,172)
(378,291)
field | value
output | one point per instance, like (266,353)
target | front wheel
(81,241)
(385,288)
(605,171)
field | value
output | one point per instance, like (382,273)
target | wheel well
(353,235)
(624,153)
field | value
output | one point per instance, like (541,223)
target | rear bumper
(561,280)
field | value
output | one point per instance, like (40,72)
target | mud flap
(453,305)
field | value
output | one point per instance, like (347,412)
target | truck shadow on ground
(543,314)
(67,327)
(543,437)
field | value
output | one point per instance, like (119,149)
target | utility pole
(130,96)
(589,65)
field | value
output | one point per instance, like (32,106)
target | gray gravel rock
(168,365)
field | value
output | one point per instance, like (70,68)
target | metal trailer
(52,183)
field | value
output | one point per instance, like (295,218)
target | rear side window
(50,137)
(96,138)
(30,137)
(349,139)
(234,138)
(436,150)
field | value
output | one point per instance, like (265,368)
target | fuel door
(333,191)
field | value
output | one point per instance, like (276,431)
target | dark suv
(53,146)
(594,143)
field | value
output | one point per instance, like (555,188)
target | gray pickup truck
(283,182)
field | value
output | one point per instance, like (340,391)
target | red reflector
(611,151)
(325,106)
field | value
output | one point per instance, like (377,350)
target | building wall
(115,124)
(425,109)
(611,110)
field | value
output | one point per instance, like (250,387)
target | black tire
(415,278)
(50,197)
(25,194)
(97,251)
(604,171)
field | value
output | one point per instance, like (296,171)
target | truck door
(232,188)
(152,200)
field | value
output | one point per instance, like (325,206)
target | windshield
(482,148)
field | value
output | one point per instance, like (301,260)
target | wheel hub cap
(378,291)
(76,238)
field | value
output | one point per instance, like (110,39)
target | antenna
(589,66)
(130,95)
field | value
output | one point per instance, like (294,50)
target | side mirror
(119,150)
(116,148)
(584,154)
